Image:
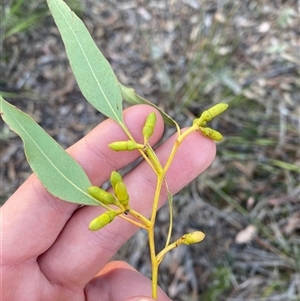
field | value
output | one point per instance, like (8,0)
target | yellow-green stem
(142,152)
(177,143)
(160,179)
(170,201)
(164,251)
(140,217)
(154,263)
(140,225)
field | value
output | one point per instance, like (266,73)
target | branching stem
(141,218)
(161,172)
(164,251)
(177,143)
(149,155)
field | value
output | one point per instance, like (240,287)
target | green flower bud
(211,113)
(121,193)
(102,220)
(125,146)
(149,126)
(213,134)
(102,195)
(192,238)
(214,111)
(115,178)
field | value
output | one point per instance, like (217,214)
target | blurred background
(184,56)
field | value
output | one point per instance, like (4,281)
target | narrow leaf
(131,97)
(92,71)
(61,175)
(170,201)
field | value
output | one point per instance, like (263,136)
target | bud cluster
(130,145)
(208,115)
(120,198)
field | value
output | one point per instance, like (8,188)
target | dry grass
(185,56)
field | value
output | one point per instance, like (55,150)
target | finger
(33,218)
(94,249)
(120,281)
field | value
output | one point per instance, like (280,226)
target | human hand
(48,253)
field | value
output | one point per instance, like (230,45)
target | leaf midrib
(49,160)
(94,75)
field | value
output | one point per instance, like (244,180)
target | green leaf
(61,175)
(92,71)
(131,97)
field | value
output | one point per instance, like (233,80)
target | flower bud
(125,146)
(211,113)
(102,220)
(115,178)
(102,195)
(213,134)
(214,111)
(149,126)
(121,193)
(192,238)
